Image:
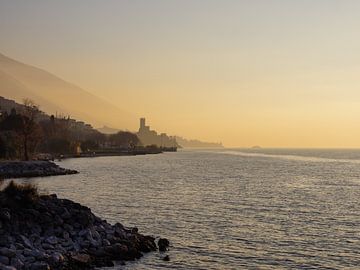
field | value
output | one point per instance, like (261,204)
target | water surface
(229,209)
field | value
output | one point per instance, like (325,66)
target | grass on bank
(17,195)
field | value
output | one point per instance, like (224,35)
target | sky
(274,73)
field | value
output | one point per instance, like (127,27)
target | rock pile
(52,233)
(16,169)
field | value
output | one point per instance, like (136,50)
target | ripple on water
(229,211)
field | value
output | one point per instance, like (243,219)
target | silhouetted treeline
(19,132)
(25,135)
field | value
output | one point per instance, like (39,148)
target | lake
(228,208)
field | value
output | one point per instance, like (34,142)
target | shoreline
(134,152)
(47,167)
(45,232)
(27,169)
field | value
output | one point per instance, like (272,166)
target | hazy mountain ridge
(108,130)
(197,144)
(53,94)
(12,88)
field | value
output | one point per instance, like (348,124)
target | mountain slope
(10,87)
(18,80)
(197,144)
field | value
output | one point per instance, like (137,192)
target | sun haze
(271,73)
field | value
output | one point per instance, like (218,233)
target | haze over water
(229,209)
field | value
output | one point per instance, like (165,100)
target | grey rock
(26,242)
(4,260)
(77,246)
(85,244)
(47,246)
(52,240)
(106,242)
(67,243)
(5,267)
(83,232)
(109,237)
(36,229)
(95,244)
(40,266)
(57,258)
(27,252)
(37,254)
(17,263)
(96,235)
(110,231)
(68,227)
(83,259)
(65,215)
(5,214)
(7,252)
(4,241)
(29,260)
(48,233)
(19,246)
(66,235)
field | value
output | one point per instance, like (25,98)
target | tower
(142,123)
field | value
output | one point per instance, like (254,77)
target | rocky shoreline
(44,232)
(19,169)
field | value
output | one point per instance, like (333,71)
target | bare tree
(30,132)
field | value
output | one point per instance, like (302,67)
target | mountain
(54,95)
(108,130)
(196,143)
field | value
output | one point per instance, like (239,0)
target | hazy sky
(270,73)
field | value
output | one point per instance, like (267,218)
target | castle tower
(142,123)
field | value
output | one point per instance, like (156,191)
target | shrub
(19,194)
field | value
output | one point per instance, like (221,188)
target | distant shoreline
(42,168)
(132,152)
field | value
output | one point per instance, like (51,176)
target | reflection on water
(223,210)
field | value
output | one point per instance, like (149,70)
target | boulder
(17,263)
(81,259)
(4,260)
(166,258)
(58,234)
(5,214)
(40,266)
(7,252)
(163,244)
(52,240)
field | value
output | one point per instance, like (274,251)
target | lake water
(231,208)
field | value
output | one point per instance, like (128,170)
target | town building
(151,137)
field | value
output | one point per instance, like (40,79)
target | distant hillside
(108,130)
(19,81)
(196,143)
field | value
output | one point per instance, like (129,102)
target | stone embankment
(17,169)
(45,232)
